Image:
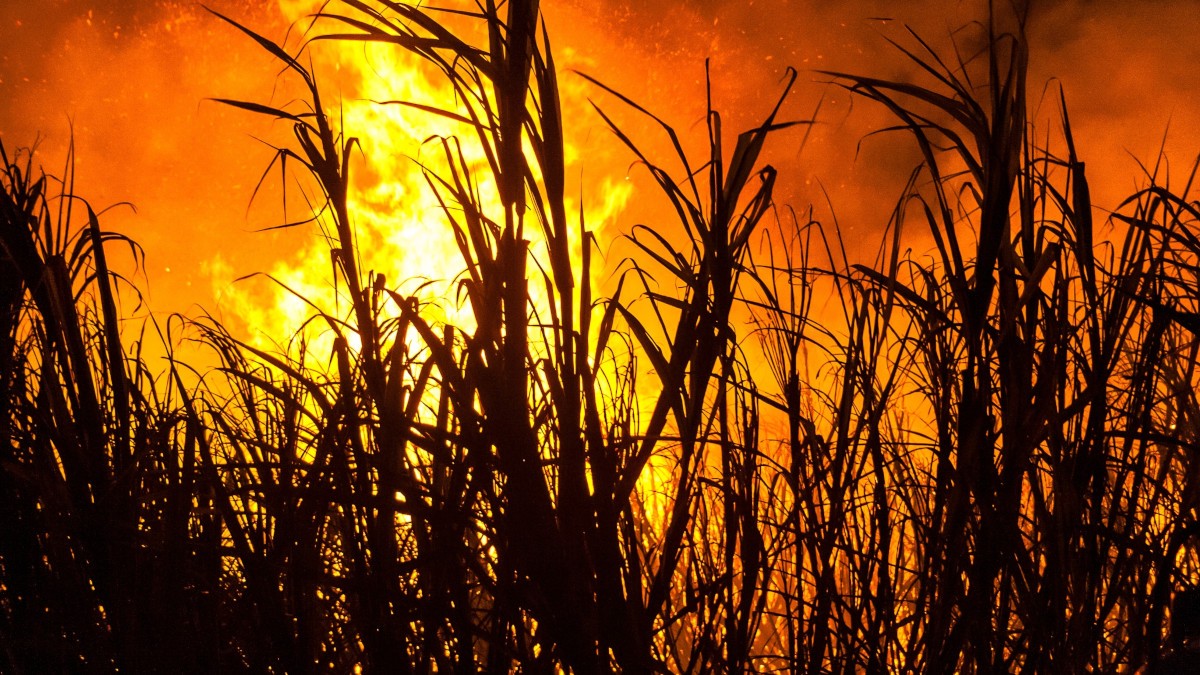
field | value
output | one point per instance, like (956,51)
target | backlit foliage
(980,462)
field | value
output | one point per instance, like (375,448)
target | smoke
(1127,71)
(130,79)
(127,83)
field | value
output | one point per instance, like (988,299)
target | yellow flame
(401,230)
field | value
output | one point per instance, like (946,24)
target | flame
(401,229)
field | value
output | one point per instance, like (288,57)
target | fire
(909,495)
(401,228)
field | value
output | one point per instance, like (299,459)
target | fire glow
(514,374)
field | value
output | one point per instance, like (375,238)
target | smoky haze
(132,79)
(1127,70)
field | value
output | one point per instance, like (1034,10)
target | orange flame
(401,229)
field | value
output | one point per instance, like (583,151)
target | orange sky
(133,77)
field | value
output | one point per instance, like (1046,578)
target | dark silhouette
(977,461)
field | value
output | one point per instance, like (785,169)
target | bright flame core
(400,228)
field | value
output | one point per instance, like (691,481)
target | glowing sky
(133,76)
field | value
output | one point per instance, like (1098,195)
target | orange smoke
(132,78)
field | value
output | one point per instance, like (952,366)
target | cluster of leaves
(989,470)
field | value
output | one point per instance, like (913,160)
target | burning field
(364,336)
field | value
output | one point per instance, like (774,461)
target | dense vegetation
(983,464)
